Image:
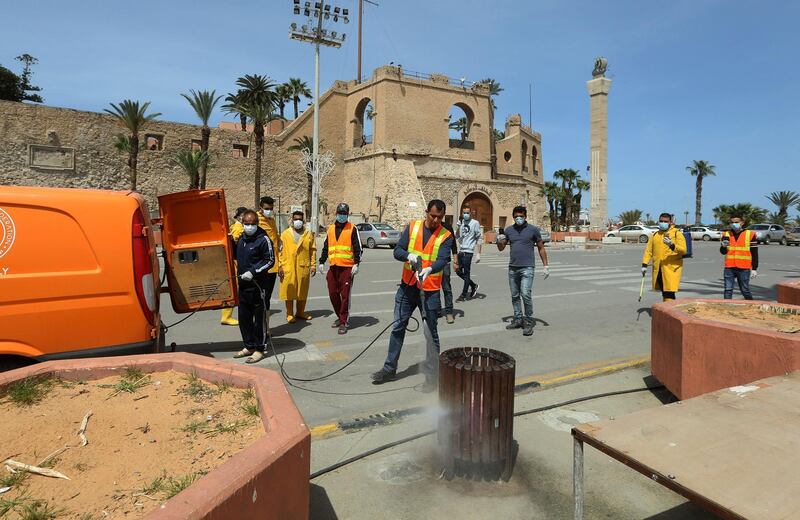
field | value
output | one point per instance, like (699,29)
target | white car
(634,231)
(705,233)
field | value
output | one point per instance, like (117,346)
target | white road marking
(602,276)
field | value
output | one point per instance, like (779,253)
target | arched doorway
(481,207)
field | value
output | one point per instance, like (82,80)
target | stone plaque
(51,157)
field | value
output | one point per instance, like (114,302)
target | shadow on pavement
(640,310)
(507,319)
(685,511)
(356,322)
(282,346)
(662,394)
(320,505)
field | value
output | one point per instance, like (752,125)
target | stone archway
(482,208)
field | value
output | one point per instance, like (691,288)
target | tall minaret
(599,87)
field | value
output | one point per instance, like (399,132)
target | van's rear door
(198,250)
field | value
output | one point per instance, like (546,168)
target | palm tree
(630,217)
(784,200)
(203,103)
(234,104)
(133,117)
(701,170)
(499,135)
(283,95)
(745,210)
(550,191)
(568,177)
(494,90)
(297,89)
(193,162)
(460,125)
(259,114)
(581,185)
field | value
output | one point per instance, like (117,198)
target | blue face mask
(736,226)
(467,216)
(663,226)
(519,220)
(341,219)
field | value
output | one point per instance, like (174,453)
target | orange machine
(79,272)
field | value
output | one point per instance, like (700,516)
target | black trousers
(464,270)
(251,315)
(268,285)
(665,295)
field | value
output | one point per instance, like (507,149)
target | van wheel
(12,362)
(371,243)
(643,239)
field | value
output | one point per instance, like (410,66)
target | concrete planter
(693,356)
(789,292)
(267,480)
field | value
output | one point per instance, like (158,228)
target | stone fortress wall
(409,159)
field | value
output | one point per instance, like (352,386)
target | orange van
(79,271)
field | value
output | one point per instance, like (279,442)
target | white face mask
(267,213)
(519,220)
(297,224)
(250,229)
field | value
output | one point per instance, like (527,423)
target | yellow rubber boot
(301,310)
(290,311)
(227,317)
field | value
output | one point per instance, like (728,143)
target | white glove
(753,274)
(644,271)
(321,269)
(501,238)
(424,274)
(726,243)
(247,276)
(546,272)
(354,270)
(477,258)
(667,241)
(412,258)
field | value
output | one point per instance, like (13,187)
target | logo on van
(8,232)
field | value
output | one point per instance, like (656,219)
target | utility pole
(360,17)
(318,36)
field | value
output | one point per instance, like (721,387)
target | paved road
(586,311)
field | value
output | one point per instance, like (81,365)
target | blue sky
(693,79)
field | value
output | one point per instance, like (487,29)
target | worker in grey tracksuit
(470,239)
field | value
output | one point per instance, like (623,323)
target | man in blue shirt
(522,237)
(408,296)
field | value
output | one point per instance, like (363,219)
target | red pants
(339,283)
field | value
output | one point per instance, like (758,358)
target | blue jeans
(447,289)
(464,267)
(406,301)
(742,276)
(520,279)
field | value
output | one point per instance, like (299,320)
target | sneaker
(342,329)
(336,323)
(382,376)
(515,324)
(450,319)
(527,329)
(461,298)
(429,386)
(473,291)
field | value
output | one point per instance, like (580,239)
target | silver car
(377,234)
(766,233)
(633,232)
(705,233)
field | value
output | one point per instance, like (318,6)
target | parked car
(766,233)
(705,233)
(793,236)
(100,295)
(545,234)
(641,233)
(377,234)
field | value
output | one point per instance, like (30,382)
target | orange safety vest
(340,252)
(739,254)
(428,254)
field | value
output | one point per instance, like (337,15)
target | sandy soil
(756,316)
(143,445)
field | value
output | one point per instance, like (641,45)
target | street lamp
(312,31)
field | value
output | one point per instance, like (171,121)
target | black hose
(383,447)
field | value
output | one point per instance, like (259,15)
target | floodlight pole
(315,152)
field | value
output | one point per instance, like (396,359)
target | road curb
(521,385)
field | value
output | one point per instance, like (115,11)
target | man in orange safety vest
(741,257)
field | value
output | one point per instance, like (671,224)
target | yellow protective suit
(269,225)
(296,261)
(236,230)
(665,259)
